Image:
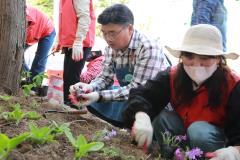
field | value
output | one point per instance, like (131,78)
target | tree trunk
(12,39)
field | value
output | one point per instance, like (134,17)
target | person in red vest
(75,38)
(203,92)
(40,29)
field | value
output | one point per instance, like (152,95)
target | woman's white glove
(142,129)
(77,50)
(80,88)
(229,153)
(89,98)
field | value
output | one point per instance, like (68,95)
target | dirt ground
(61,149)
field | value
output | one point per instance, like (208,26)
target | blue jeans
(200,133)
(40,59)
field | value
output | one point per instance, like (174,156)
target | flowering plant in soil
(192,154)
(104,135)
(170,140)
(172,147)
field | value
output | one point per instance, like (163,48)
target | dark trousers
(72,71)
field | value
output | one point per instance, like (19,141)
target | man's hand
(77,50)
(142,129)
(80,88)
(229,153)
(89,98)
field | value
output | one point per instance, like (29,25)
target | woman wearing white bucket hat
(203,92)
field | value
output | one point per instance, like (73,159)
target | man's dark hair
(116,14)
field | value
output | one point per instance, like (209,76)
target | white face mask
(199,74)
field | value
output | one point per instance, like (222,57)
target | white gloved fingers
(138,135)
(89,98)
(143,129)
(229,153)
(72,90)
(142,139)
(77,51)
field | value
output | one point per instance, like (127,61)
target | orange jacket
(197,110)
(68,25)
(39,26)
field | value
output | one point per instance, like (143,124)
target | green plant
(7,144)
(60,129)
(36,82)
(170,140)
(82,147)
(32,115)
(5,98)
(40,135)
(16,115)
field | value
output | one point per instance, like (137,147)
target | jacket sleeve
(150,98)
(82,8)
(93,70)
(232,128)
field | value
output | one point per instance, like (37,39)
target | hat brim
(176,52)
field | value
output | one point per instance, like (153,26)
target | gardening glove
(229,153)
(142,129)
(89,98)
(77,50)
(80,88)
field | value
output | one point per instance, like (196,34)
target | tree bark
(12,40)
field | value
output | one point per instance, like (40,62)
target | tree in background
(12,31)
(45,6)
(100,5)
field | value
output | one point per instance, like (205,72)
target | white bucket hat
(202,39)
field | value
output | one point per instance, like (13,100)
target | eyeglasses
(112,35)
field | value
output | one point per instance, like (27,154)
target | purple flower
(112,133)
(181,138)
(194,153)
(178,154)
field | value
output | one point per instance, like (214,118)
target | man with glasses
(130,56)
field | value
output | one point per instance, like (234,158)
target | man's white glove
(89,98)
(77,50)
(142,129)
(80,88)
(229,153)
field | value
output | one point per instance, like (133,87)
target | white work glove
(229,153)
(80,88)
(77,50)
(89,98)
(142,129)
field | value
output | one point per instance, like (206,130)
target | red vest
(196,110)
(68,25)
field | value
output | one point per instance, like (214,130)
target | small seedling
(82,147)
(7,144)
(5,98)
(60,129)
(32,115)
(16,115)
(40,135)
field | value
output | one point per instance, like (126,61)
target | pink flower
(178,154)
